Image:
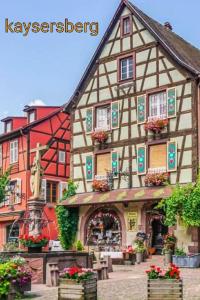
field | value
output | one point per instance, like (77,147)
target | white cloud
(37,102)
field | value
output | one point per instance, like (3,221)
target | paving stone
(129,283)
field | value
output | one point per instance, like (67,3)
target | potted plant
(170,241)
(167,252)
(33,243)
(100,185)
(15,279)
(77,283)
(129,255)
(139,249)
(156,125)
(165,284)
(79,246)
(156,179)
(100,137)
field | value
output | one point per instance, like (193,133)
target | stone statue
(37,172)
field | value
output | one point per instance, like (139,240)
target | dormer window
(126,26)
(31,116)
(8,126)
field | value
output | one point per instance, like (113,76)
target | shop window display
(104,230)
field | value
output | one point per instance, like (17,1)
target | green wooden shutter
(115,114)
(89,168)
(141,159)
(115,163)
(171,102)
(141,109)
(171,156)
(89,120)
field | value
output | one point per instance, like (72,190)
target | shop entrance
(103,230)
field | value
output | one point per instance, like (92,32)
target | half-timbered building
(143,78)
(41,126)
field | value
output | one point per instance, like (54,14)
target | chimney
(168,26)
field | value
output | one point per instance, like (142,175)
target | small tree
(4,181)
(68,218)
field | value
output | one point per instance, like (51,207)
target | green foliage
(79,246)
(68,218)
(180,252)
(4,181)
(7,273)
(184,203)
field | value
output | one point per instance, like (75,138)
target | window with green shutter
(89,167)
(171,102)
(171,156)
(89,120)
(141,160)
(141,109)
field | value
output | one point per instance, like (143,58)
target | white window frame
(127,68)
(31,116)
(157,106)
(107,121)
(14,155)
(8,126)
(126,26)
(61,156)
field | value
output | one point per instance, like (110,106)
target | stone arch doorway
(104,229)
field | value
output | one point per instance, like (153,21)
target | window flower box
(77,283)
(156,125)
(100,185)
(99,136)
(156,179)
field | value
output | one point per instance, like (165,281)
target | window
(103,118)
(157,158)
(8,127)
(31,116)
(13,152)
(12,233)
(103,165)
(126,26)
(158,105)
(126,68)
(1,156)
(61,157)
(52,192)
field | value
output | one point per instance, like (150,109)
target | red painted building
(45,125)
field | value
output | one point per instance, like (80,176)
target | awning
(119,196)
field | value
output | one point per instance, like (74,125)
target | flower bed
(156,179)
(33,243)
(156,125)
(77,283)
(100,185)
(164,284)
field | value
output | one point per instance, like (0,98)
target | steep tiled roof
(183,52)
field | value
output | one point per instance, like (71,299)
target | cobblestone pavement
(128,283)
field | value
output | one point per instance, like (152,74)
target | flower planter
(139,257)
(23,288)
(129,258)
(192,261)
(165,289)
(167,258)
(34,249)
(69,289)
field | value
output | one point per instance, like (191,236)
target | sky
(46,67)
